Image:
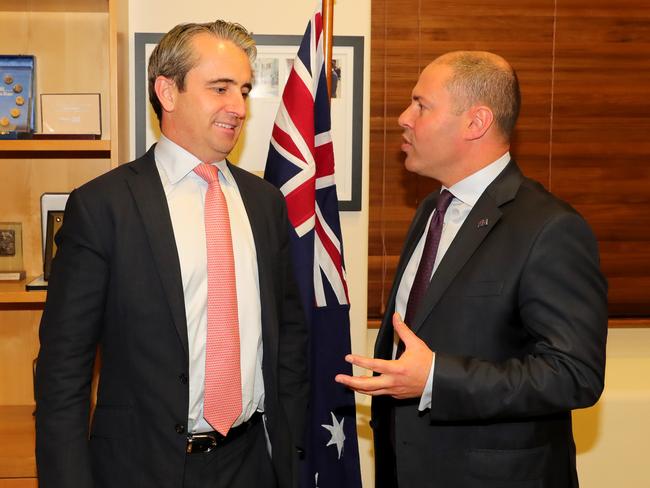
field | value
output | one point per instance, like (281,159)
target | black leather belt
(207,441)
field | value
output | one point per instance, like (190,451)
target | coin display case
(16,95)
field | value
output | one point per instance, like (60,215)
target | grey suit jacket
(116,284)
(517,316)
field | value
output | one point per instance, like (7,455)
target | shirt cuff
(425,399)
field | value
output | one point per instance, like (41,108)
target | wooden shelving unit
(35,148)
(14,292)
(17,463)
(76,50)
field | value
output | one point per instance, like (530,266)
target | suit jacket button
(183,378)
(180,429)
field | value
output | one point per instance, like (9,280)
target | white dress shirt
(185,192)
(466,193)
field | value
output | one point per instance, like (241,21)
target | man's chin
(224,150)
(411,164)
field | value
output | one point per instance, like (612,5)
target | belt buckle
(196,438)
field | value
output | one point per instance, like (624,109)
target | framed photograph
(275,54)
(54,222)
(50,202)
(71,114)
(11,251)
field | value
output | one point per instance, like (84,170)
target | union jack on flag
(300,163)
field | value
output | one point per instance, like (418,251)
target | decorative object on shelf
(11,252)
(52,206)
(71,114)
(54,222)
(16,96)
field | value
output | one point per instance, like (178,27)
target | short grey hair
(484,78)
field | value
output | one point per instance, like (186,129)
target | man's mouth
(405,143)
(223,125)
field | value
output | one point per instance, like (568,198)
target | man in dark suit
(507,334)
(131,278)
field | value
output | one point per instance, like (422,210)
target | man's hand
(400,378)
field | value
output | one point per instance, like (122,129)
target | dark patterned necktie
(425,268)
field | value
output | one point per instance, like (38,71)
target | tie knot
(208,172)
(444,200)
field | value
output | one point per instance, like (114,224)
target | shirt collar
(470,189)
(177,162)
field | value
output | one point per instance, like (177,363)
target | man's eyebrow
(230,81)
(221,80)
(421,99)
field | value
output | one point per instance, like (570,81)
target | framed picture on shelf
(54,222)
(52,204)
(11,251)
(71,114)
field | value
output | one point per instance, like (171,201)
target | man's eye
(220,89)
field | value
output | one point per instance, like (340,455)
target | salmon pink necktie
(222,403)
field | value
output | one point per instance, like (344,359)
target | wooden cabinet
(75,46)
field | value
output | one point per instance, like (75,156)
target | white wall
(289,17)
(612,437)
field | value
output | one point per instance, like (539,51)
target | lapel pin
(482,223)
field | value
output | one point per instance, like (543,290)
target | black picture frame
(54,223)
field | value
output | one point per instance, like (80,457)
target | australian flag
(301,163)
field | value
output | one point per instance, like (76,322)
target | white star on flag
(336,429)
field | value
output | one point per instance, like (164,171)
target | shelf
(13,292)
(55,6)
(47,148)
(17,442)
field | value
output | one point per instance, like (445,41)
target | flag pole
(328,28)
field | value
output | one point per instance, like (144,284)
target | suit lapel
(478,224)
(149,196)
(256,219)
(385,336)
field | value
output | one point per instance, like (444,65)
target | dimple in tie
(222,403)
(428,259)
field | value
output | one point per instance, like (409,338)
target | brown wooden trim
(613,323)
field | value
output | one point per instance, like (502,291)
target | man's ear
(481,119)
(167,93)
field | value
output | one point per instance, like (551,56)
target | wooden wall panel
(601,137)
(584,70)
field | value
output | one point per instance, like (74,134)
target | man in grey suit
(131,278)
(505,302)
